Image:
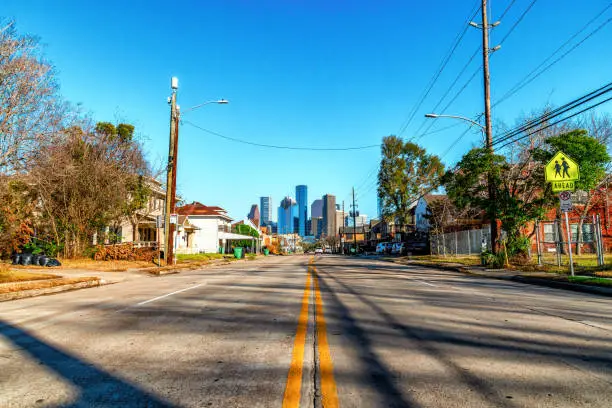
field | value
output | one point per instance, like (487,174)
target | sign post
(565,200)
(562,172)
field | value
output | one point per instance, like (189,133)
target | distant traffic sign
(561,171)
(565,200)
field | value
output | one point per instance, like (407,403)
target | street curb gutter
(576,287)
(48,291)
(595,290)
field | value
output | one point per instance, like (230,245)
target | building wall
(420,212)
(265,209)
(287,216)
(206,239)
(301,195)
(329,215)
(316,209)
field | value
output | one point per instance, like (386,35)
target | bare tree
(30,109)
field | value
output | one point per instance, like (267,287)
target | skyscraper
(301,195)
(316,209)
(266,210)
(254,215)
(329,215)
(287,216)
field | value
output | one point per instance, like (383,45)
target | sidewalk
(534,278)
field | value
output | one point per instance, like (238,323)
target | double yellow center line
(293,388)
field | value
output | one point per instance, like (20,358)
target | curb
(48,291)
(576,287)
(179,269)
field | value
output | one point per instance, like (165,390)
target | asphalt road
(290,331)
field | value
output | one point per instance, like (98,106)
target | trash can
(237,253)
(266,251)
(221,250)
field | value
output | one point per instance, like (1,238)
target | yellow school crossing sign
(561,171)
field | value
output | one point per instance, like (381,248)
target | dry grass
(42,284)
(104,266)
(7,276)
(468,260)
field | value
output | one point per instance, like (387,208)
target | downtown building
(301,195)
(265,209)
(316,221)
(288,216)
(329,228)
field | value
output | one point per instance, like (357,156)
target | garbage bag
(34,260)
(26,259)
(53,262)
(16,258)
(42,260)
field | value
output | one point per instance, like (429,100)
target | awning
(231,235)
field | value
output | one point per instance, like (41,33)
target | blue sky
(302,73)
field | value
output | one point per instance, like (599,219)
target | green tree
(592,157)
(406,172)
(521,194)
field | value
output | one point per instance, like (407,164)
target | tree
(592,157)
(30,108)
(406,172)
(85,181)
(521,194)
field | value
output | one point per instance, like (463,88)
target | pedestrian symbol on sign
(562,172)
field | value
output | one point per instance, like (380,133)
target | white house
(212,229)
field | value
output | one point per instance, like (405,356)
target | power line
(532,75)
(554,113)
(518,21)
(318,149)
(435,77)
(559,121)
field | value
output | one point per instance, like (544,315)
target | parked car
(319,251)
(398,248)
(381,247)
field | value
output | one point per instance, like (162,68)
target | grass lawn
(590,281)
(468,260)
(42,284)
(199,257)
(7,276)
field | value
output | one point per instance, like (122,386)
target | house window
(549,233)
(587,232)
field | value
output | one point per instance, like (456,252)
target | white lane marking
(169,294)
(425,283)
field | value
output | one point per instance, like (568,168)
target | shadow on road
(96,386)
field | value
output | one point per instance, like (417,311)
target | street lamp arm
(434,116)
(220,101)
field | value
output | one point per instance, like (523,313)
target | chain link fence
(468,242)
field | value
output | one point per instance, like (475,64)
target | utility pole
(343,229)
(171,177)
(354,222)
(488,128)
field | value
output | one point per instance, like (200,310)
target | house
(552,228)
(211,229)
(140,228)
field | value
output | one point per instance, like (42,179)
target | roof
(434,197)
(196,209)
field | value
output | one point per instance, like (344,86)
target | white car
(319,251)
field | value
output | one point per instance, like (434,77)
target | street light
(472,122)
(220,102)
(171,169)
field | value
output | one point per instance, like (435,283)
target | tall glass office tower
(287,216)
(301,195)
(265,210)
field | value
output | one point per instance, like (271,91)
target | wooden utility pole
(488,127)
(354,223)
(171,178)
(343,230)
